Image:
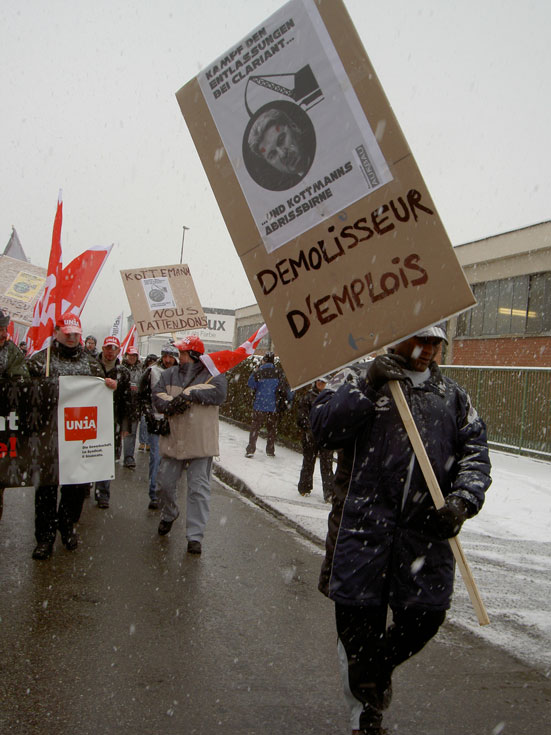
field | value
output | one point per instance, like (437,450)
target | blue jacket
(376,548)
(265,382)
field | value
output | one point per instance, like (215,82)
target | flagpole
(184,228)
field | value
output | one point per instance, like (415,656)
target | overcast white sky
(88,106)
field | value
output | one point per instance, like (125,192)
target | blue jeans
(154,461)
(143,435)
(129,444)
(103,491)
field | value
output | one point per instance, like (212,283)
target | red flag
(219,362)
(131,340)
(10,331)
(47,309)
(79,277)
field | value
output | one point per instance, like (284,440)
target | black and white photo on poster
(291,124)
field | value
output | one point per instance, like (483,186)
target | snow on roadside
(508,545)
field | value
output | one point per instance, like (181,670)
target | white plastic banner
(86,436)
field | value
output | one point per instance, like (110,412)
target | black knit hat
(4,318)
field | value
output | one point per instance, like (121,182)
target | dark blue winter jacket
(264,381)
(377,548)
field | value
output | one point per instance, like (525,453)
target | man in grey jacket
(189,396)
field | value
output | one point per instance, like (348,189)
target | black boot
(43,550)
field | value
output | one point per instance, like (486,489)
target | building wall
(521,257)
(503,351)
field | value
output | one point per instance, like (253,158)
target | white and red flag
(130,342)
(10,332)
(116,329)
(48,308)
(79,277)
(219,362)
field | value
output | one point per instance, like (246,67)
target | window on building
(519,305)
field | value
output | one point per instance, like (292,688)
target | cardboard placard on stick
(324,202)
(21,285)
(163,299)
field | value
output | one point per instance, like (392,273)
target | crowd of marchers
(388,568)
(168,404)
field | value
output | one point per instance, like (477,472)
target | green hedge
(239,404)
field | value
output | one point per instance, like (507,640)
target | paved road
(130,635)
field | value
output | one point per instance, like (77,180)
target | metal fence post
(523,412)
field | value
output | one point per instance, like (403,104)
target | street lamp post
(184,228)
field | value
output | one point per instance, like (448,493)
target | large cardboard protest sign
(163,299)
(86,437)
(322,197)
(21,285)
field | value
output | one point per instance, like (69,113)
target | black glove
(385,368)
(446,522)
(178,405)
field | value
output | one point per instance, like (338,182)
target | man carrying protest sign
(117,378)
(387,544)
(12,365)
(67,357)
(190,397)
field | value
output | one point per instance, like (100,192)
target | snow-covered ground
(508,545)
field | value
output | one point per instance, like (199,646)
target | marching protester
(132,363)
(12,365)
(310,448)
(90,344)
(143,437)
(117,378)
(12,361)
(190,397)
(387,544)
(156,423)
(270,391)
(67,357)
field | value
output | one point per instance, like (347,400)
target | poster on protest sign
(86,438)
(163,299)
(335,227)
(274,98)
(28,432)
(21,285)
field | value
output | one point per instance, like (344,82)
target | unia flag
(219,362)
(47,309)
(80,276)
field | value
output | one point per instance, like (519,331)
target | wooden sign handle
(438,498)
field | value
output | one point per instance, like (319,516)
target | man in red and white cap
(190,397)
(116,377)
(67,357)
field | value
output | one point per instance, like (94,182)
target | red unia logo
(81,423)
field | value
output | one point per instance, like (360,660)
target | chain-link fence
(515,403)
